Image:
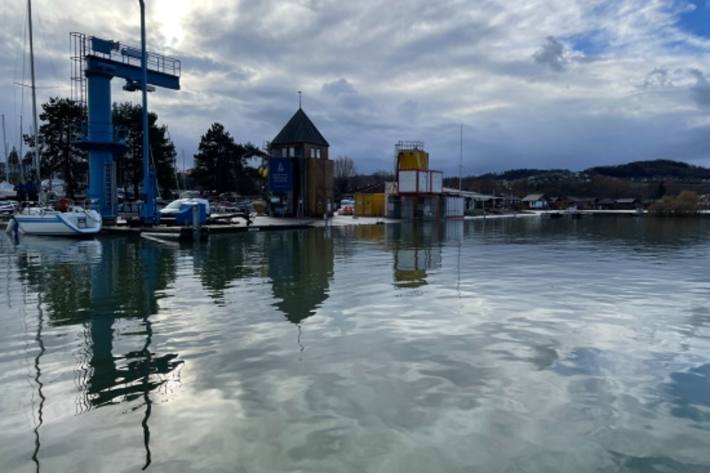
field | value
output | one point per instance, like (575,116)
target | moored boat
(69,221)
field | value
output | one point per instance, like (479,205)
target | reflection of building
(417,248)
(300,268)
(300,173)
(298,263)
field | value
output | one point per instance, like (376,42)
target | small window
(318,153)
(284,152)
(292,152)
(313,152)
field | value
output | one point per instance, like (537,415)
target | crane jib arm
(130,72)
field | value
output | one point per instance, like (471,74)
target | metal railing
(83,45)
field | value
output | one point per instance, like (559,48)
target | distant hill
(659,169)
(640,179)
(655,170)
(514,174)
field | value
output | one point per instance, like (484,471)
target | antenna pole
(299,99)
(35,155)
(148,214)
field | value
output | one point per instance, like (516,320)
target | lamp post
(149,211)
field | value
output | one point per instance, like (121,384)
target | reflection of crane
(96,62)
(40,385)
(133,375)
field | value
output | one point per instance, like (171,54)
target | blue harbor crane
(96,62)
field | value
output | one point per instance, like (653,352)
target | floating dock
(191,234)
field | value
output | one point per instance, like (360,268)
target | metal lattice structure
(408,146)
(77,45)
(95,62)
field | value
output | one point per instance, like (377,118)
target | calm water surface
(522,345)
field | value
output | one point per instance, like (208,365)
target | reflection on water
(566,344)
(119,280)
(300,266)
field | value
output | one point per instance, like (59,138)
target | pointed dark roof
(299,129)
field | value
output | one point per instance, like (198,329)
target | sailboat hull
(67,224)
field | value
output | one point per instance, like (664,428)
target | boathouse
(300,172)
(536,201)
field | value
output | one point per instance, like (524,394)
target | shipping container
(454,206)
(420,181)
(423,182)
(436,182)
(370,205)
(407,182)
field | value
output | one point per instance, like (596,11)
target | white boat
(64,219)
(75,221)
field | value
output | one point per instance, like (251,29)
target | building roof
(533,197)
(470,195)
(299,129)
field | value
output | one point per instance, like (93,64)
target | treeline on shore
(219,165)
(642,180)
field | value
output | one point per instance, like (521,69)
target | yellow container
(370,205)
(413,159)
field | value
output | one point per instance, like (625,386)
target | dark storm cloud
(551,54)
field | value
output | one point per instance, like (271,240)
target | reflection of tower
(300,268)
(416,250)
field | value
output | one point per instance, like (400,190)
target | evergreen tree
(61,129)
(216,160)
(219,163)
(128,121)
(14,171)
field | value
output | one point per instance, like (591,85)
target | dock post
(196,217)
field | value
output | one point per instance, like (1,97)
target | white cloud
(537,83)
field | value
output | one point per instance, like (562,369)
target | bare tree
(344,173)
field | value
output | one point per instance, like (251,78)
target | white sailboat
(45,221)
(64,219)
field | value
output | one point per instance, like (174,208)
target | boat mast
(22,170)
(35,131)
(4,140)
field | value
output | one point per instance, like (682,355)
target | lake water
(512,345)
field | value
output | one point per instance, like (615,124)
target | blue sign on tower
(280,175)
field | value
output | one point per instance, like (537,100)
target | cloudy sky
(536,83)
